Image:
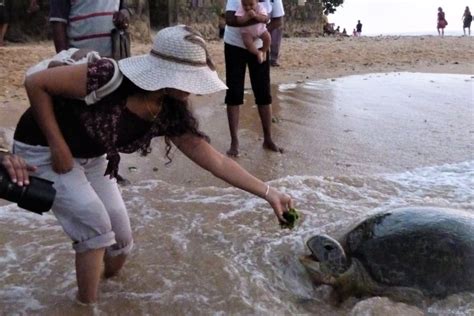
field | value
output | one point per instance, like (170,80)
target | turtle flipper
(329,253)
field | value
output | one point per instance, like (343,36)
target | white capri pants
(88,205)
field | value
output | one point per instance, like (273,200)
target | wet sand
(315,143)
(400,116)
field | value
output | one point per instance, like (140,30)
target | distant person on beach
(354,33)
(237,58)
(344,32)
(441,22)
(5,11)
(328,29)
(74,137)
(87,23)
(467,19)
(254,10)
(359,28)
(277,36)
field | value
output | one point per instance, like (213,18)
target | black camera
(36,197)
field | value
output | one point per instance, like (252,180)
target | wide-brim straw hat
(178,59)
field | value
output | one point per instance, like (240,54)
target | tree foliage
(331,5)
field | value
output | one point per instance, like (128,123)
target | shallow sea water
(215,251)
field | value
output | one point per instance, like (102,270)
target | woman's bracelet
(266,191)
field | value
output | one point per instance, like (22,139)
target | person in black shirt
(359,28)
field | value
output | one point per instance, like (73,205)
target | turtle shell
(431,249)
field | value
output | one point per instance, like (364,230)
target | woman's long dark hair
(175,119)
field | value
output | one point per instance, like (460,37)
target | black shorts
(236,61)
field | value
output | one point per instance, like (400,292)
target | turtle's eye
(328,247)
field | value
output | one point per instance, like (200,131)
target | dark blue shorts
(236,61)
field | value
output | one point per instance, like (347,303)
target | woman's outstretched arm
(204,155)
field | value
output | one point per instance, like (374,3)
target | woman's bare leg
(88,270)
(233,112)
(265,112)
(113,265)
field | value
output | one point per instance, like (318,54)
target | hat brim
(151,73)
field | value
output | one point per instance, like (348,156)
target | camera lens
(37,197)
(9,190)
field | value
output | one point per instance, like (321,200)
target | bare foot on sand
(272,146)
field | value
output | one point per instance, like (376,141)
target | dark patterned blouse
(106,127)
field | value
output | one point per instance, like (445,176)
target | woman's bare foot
(270,145)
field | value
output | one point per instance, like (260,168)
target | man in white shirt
(236,59)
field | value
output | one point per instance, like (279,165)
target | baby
(252,9)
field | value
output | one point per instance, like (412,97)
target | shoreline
(302,60)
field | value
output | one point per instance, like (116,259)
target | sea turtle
(405,254)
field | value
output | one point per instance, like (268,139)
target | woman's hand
(280,202)
(17,168)
(61,158)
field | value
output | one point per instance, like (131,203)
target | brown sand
(301,59)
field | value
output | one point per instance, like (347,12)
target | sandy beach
(368,124)
(302,59)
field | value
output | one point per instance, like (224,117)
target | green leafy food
(291,216)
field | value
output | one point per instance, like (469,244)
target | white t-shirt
(232,35)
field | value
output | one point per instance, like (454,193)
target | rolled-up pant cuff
(102,241)
(112,252)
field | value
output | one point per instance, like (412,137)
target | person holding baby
(244,48)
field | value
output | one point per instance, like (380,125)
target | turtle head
(317,275)
(329,253)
